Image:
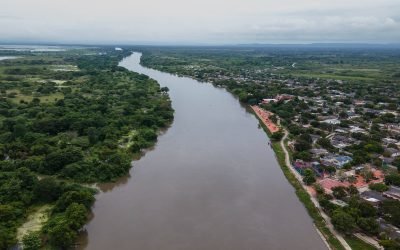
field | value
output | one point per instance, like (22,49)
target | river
(210,183)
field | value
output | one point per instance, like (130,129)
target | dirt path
(34,222)
(299,177)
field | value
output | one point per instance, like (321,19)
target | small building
(284,97)
(268,100)
(388,141)
(392,193)
(339,203)
(317,152)
(355,129)
(359,102)
(301,166)
(328,183)
(331,121)
(337,161)
(373,197)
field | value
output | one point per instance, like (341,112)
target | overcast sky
(200,21)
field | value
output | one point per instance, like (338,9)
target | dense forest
(69,118)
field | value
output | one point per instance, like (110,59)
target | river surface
(211,183)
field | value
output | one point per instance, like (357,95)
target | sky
(200,21)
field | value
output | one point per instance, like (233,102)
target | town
(340,125)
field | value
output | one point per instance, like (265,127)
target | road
(300,179)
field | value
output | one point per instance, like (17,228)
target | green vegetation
(304,197)
(253,73)
(67,118)
(357,244)
(379,187)
(305,87)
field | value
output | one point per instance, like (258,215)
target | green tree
(47,190)
(31,241)
(368,225)
(277,136)
(339,192)
(83,197)
(392,179)
(390,244)
(379,187)
(76,215)
(60,234)
(325,143)
(302,145)
(391,211)
(343,221)
(309,177)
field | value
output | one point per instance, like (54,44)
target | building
(392,193)
(373,197)
(317,152)
(284,97)
(337,161)
(267,100)
(328,183)
(331,121)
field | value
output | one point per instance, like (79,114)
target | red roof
(329,183)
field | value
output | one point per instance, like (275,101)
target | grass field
(28,98)
(358,244)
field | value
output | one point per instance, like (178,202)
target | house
(269,100)
(393,152)
(328,183)
(337,161)
(284,97)
(372,197)
(394,128)
(340,131)
(331,121)
(359,102)
(392,193)
(387,160)
(388,141)
(317,152)
(339,203)
(392,231)
(300,166)
(350,173)
(355,129)
(341,141)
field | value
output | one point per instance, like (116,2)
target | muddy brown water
(211,183)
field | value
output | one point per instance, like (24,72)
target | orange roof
(264,116)
(329,183)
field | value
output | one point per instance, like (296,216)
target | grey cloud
(206,21)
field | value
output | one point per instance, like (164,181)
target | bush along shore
(68,119)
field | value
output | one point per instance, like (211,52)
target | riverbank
(102,116)
(302,194)
(321,221)
(205,184)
